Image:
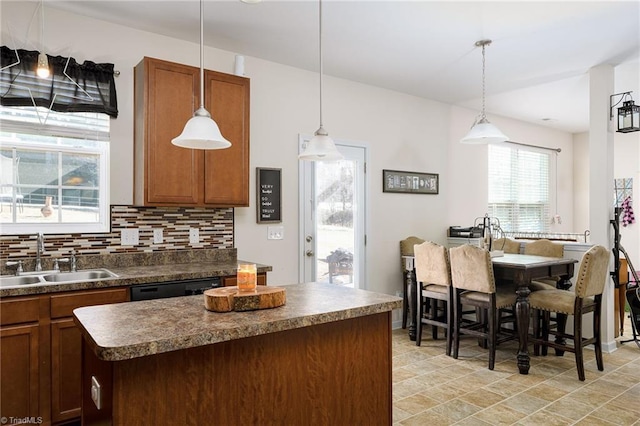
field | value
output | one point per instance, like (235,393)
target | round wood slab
(226,299)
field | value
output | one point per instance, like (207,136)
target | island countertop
(136,329)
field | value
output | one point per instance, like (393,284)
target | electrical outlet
(129,237)
(157,236)
(95,392)
(194,235)
(275,232)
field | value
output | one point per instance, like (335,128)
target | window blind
(519,188)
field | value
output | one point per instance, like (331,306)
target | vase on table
(47,209)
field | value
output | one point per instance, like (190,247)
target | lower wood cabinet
(41,356)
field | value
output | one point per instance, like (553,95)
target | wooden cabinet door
(226,171)
(166,98)
(66,370)
(19,371)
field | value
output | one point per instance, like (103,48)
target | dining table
(508,269)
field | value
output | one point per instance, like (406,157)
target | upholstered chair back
(507,245)
(593,272)
(432,264)
(471,269)
(406,245)
(545,248)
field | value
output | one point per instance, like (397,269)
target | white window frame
(103,224)
(547,208)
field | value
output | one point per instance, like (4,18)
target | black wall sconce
(628,113)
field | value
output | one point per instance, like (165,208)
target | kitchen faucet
(39,250)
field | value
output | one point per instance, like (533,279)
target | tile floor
(430,388)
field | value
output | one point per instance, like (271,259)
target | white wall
(403,133)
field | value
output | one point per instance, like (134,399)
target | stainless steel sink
(88,275)
(21,280)
(50,277)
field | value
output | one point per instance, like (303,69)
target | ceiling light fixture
(42,70)
(628,113)
(321,146)
(482,131)
(201,132)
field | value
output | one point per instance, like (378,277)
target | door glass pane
(335,236)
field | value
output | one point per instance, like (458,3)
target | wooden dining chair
(546,248)
(474,285)
(433,277)
(587,297)
(406,249)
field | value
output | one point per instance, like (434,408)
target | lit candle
(247,277)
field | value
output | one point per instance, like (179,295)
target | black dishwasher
(173,288)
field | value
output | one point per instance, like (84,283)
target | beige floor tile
(444,393)
(499,415)
(472,421)
(544,417)
(415,404)
(506,387)
(608,388)
(404,373)
(399,414)
(427,418)
(590,396)
(546,392)
(570,408)
(593,421)
(616,414)
(524,403)
(456,409)
(482,398)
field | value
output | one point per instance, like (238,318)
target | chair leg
(493,321)
(434,314)
(405,303)
(449,316)
(457,309)
(536,331)
(561,323)
(577,344)
(545,332)
(596,330)
(420,308)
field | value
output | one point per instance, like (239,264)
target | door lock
(309,253)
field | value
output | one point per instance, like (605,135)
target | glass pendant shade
(201,132)
(484,132)
(321,148)
(43,66)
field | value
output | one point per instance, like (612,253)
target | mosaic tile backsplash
(215,227)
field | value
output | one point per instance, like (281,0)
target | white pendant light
(42,70)
(321,146)
(201,132)
(482,131)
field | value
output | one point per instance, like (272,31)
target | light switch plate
(275,232)
(129,237)
(95,392)
(157,236)
(194,235)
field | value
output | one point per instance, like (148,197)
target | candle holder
(247,277)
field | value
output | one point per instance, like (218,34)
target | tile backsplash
(215,227)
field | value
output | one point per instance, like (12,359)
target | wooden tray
(226,299)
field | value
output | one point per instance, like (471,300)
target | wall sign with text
(410,182)
(269,193)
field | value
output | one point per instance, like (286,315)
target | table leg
(412,297)
(522,318)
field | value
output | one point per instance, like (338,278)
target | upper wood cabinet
(166,95)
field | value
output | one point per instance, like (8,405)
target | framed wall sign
(269,194)
(410,182)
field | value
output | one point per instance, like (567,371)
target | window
(55,171)
(519,188)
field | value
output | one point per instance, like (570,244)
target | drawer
(19,309)
(63,305)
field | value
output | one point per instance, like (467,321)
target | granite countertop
(136,329)
(140,269)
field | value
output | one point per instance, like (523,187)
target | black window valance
(86,87)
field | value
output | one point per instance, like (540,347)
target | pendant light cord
(202,54)
(42,25)
(483,82)
(320,50)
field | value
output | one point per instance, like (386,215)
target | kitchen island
(323,358)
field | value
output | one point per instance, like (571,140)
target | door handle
(309,253)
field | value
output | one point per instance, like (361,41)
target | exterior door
(333,220)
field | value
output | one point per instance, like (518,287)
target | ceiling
(536,67)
